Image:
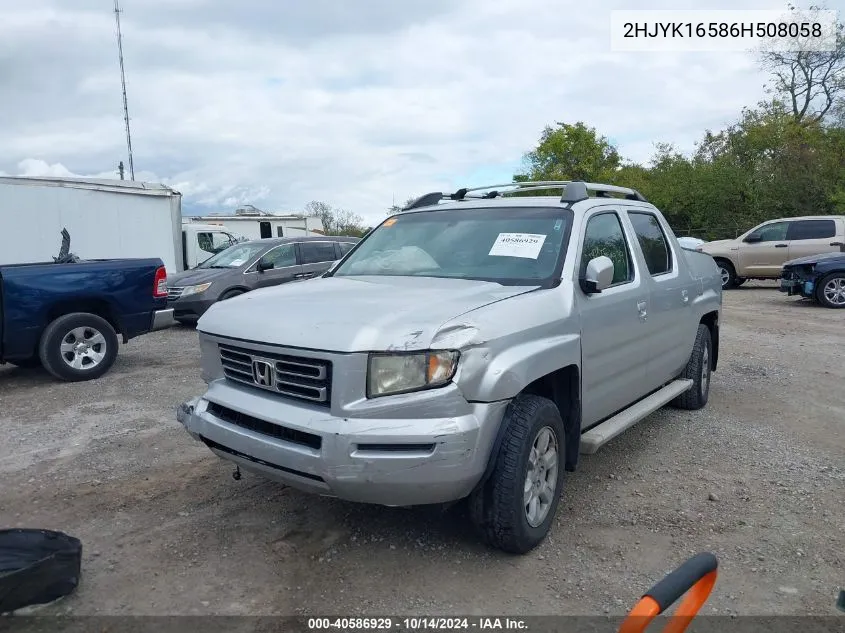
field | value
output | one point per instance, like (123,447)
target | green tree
(570,152)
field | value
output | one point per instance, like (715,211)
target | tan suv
(761,252)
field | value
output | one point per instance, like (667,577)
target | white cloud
(281,102)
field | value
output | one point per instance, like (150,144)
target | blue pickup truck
(68,316)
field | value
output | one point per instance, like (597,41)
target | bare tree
(811,83)
(396,208)
(335,221)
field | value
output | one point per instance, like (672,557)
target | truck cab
(201,241)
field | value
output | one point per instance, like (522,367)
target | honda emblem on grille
(263,373)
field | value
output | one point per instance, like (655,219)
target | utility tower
(117,12)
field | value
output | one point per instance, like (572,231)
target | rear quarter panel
(32,295)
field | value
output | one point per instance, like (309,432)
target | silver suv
(469,347)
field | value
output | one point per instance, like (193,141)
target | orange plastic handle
(648,608)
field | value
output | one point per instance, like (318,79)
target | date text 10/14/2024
(416,624)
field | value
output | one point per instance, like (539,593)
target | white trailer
(256,227)
(105,218)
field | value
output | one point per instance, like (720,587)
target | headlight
(401,373)
(195,290)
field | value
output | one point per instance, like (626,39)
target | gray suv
(470,347)
(250,265)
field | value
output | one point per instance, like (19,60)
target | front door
(614,328)
(812,237)
(284,269)
(765,256)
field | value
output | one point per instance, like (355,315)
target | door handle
(300,276)
(641,307)
(780,245)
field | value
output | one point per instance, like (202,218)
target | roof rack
(573,191)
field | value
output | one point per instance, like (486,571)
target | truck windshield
(506,245)
(234,256)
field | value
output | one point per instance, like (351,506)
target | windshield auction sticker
(525,245)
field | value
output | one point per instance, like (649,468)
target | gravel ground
(757,477)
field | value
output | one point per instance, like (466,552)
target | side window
(205,242)
(774,232)
(658,257)
(604,236)
(220,241)
(282,256)
(280,232)
(316,252)
(345,247)
(811,229)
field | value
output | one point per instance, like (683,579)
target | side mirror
(751,239)
(598,276)
(264,264)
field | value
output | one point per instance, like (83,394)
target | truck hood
(718,245)
(352,314)
(815,259)
(196,276)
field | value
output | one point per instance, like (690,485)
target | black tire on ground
(838,279)
(698,370)
(70,330)
(26,363)
(498,508)
(229,294)
(728,273)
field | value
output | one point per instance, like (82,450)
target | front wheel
(515,507)
(727,273)
(831,290)
(698,370)
(78,346)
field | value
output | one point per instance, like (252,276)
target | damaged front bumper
(393,462)
(797,283)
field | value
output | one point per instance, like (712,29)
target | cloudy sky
(278,102)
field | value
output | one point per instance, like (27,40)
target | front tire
(831,290)
(229,294)
(698,370)
(78,346)
(728,274)
(515,508)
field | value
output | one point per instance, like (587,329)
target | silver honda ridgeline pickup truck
(470,347)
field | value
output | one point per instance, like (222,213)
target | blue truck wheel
(78,346)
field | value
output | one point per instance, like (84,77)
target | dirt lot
(758,477)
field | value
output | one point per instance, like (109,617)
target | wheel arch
(563,387)
(711,320)
(92,305)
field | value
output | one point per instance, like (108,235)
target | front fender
(488,375)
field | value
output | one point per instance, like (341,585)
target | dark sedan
(819,277)
(250,265)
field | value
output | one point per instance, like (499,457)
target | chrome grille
(174,293)
(291,376)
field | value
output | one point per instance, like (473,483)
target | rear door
(285,268)
(316,257)
(813,237)
(672,328)
(766,256)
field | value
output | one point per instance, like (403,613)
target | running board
(598,436)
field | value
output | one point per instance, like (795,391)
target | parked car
(691,243)
(67,316)
(466,349)
(820,278)
(761,252)
(250,265)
